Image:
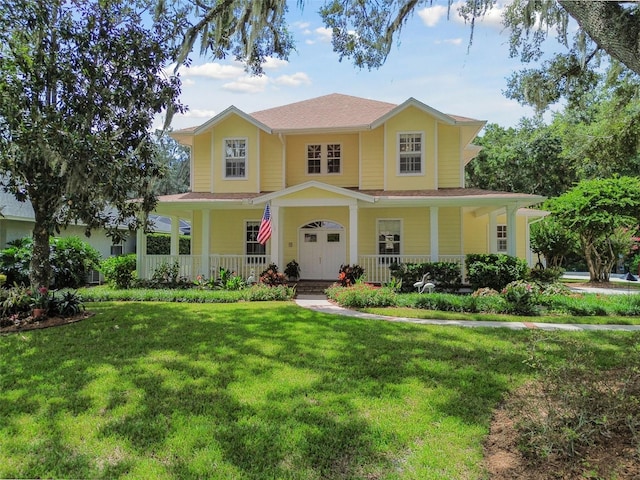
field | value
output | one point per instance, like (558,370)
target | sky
(431,61)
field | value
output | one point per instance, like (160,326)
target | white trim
(206,242)
(436,157)
(422,172)
(353,234)
(377,241)
(324,159)
(385,157)
(224,158)
(349,194)
(227,113)
(245,241)
(258,159)
(412,102)
(359,159)
(276,236)
(212,162)
(434,232)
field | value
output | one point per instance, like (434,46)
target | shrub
(160,244)
(546,275)
(494,270)
(362,295)
(67,304)
(17,299)
(71,261)
(271,277)
(445,275)
(521,297)
(119,271)
(349,275)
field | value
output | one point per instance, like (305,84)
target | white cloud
(302,25)
(214,70)
(431,15)
(197,113)
(295,80)
(272,63)
(324,34)
(247,84)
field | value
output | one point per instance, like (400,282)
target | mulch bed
(29,323)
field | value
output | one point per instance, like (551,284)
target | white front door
(322,250)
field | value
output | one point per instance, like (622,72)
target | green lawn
(258,391)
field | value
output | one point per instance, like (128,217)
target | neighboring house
(348,180)
(17,221)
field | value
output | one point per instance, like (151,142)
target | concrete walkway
(320,303)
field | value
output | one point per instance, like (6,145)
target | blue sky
(431,62)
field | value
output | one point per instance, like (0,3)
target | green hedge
(160,244)
(494,270)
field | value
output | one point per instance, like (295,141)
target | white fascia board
(313,184)
(226,113)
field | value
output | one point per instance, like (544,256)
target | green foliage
(66,304)
(521,297)
(547,275)
(553,240)
(603,213)
(71,260)
(166,273)
(119,271)
(82,83)
(17,299)
(160,244)
(350,274)
(361,295)
(292,269)
(445,275)
(173,158)
(494,270)
(271,277)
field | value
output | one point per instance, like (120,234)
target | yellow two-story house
(348,180)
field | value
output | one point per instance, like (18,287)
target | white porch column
(141,253)
(492,233)
(511,230)
(276,235)
(175,235)
(434,231)
(206,243)
(353,234)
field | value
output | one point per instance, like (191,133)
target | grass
(258,391)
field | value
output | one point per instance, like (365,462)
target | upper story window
(235,157)
(501,238)
(324,158)
(410,153)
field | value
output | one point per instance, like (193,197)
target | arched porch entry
(323,248)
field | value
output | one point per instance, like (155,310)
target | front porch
(376,267)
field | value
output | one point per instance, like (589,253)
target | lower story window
(252,247)
(116,250)
(501,238)
(389,236)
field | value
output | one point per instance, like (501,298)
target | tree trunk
(614,28)
(40,271)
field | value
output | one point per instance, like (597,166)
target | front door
(322,250)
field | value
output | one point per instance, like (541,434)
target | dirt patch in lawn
(30,323)
(615,457)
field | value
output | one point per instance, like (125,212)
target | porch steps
(312,287)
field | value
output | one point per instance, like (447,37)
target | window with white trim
(501,238)
(324,158)
(252,247)
(116,249)
(389,240)
(235,157)
(410,153)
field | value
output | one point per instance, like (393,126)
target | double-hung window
(389,236)
(235,157)
(410,153)
(501,238)
(252,247)
(324,158)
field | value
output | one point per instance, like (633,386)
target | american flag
(264,233)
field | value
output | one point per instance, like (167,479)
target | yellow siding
(475,233)
(201,152)
(450,231)
(415,229)
(521,232)
(297,159)
(449,160)
(233,127)
(196,233)
(410,120)
(372,159)
(271,178)
(308,193)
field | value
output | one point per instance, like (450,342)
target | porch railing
(190,266)
(376,267)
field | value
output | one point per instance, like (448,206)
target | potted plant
(40,302)
(292,270)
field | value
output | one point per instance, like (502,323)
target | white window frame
(324,158)
(115,247)
(384,258)
(502,238)
(256,225)
(224,158)
(400,153)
